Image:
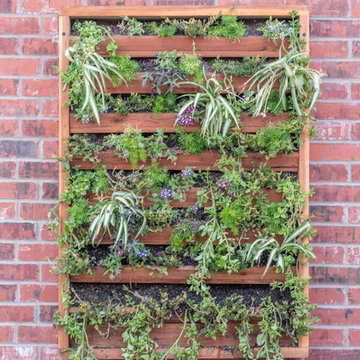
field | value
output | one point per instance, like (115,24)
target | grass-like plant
(279,251)
(291,74)
(118,214)
(216,111)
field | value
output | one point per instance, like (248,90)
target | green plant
(282,253)
(88,70)
(132,104)
(166,28)
(192,143)
(228,27)
(190,65)
(131,26)
(121,213)
(218,114)
(246,67)
(164,103)
(126,67)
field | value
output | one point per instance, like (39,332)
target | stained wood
(64,29)
(149,46)
(204,353)
(148,122)
(203,161)
(179,276)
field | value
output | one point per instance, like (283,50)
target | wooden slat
(64,132)
(149,46)
(204,353)
(179,276)
(203,161)
(148,122)
(149,12)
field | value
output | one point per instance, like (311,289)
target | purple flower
(119,252)
(54,326)
(186,118)
(186,172)
(196,207)
(165,194)
(243,96)
(222,185)
(143,254)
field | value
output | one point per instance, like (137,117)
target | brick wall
(28,173)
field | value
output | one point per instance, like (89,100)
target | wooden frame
(299,161)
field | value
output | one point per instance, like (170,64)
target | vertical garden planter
(296,163)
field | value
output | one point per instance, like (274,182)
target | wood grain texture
(203,161)
(149,122)
(179,276)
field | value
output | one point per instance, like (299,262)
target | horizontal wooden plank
(149,12)
(179,276)
(149,122)
(112,353)
(149,46)
(203,161)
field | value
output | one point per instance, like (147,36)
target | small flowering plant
(166,194)
(186,118)
(276,29)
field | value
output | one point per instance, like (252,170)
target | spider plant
(291,73)
(121,212)
(88,70)
(279,252)
(216,110)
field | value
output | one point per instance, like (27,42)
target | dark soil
(251,26)
(115,293)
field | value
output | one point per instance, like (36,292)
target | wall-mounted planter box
(149,46)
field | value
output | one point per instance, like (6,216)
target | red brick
(19,352)
(327,337)
(338,69)
(328,254)
(330,28)
(50,26)
(334,275)
(50,107)
(354,337)
(7,251)
(39,87)
(18,107)
(32,211)
(328,172)
(17,313)
(9,86)
(17,231)
(6,334)
(38,293)
(337,110)
(49,66)
(355,172)
(50,191)
(355,132)
(355,7)
(327,213)
(354,296)
(328,354)
(332,90)
(19,67)
(47,235)
(331,130)
(47,274)
(7,293)
(21,272)
(7,169)
(329,49)
(51,353)
(18,148)
(333,317)
(335,152)
(37,252)
(50,149)
(355,91)
(39,170)
(36,334)
(36,46)
(9,46)
(7,210)
(327,296)
(356,48)
(9,128)
(18,190)
(337,234)
(19,25)
(45,128)
(354,214)
(46,6)
(353,255)
(336,193)
(8,6)
(46,313)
